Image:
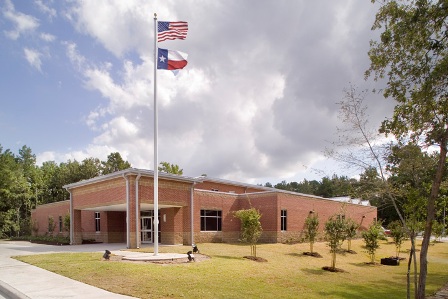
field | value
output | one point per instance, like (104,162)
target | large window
(283,220)
(97,221)
(211,220)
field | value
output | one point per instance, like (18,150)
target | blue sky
(255,103)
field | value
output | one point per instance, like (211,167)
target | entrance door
(146,229)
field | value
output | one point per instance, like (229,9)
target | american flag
(171,30)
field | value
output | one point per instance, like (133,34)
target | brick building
(119,207)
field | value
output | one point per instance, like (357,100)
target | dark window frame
(97,221)
(283,220)
(211,220)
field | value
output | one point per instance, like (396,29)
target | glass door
(146,229)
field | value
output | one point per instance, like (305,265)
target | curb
(11,292)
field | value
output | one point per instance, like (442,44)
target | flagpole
(156,133)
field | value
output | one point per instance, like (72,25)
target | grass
(287,274)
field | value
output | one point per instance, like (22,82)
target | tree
(398,234)
(311,229)
(114,163)
(335,229)
(438,230)
(351,232)
(371,238)
(412,55)
(170,168)
(250,227)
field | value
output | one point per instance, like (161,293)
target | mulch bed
(255,258)
(313,254)
(331,269)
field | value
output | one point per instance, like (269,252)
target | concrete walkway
(21,280)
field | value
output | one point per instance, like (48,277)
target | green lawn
(286,274)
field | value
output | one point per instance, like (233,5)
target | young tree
(398,234)
(371,238)
(311,228)
(335,229)
(351,232)
(250,227)
(412,55)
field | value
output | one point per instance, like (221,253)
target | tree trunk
(431,216)
(408,275)
(415,268)
(333,259)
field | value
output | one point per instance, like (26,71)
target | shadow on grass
(366,265)
(316,271)
(380,289)
(228,257)
(305,254)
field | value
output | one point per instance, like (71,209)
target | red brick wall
(298,208)
(40,217)
(115,226)
(225,202)
(270,204)
(101,193)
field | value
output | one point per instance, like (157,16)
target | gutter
(127,211)
(137,214)
(72,235)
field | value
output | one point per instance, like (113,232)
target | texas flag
(171,60)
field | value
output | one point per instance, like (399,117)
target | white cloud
(47,37)
(34,58)
(22,23)
(51,12)
(125,19)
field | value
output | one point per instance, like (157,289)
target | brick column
(133,226)
(77,227)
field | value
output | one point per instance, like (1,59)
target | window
(283,220)
(97,221)
(211,220)
(60,224)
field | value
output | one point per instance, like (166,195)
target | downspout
(137,214)
(127,212)
(71,218)
(192,214)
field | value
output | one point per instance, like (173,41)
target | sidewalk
(21,280)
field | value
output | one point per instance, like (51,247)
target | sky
(256,102)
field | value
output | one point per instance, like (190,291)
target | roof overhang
(133,171)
